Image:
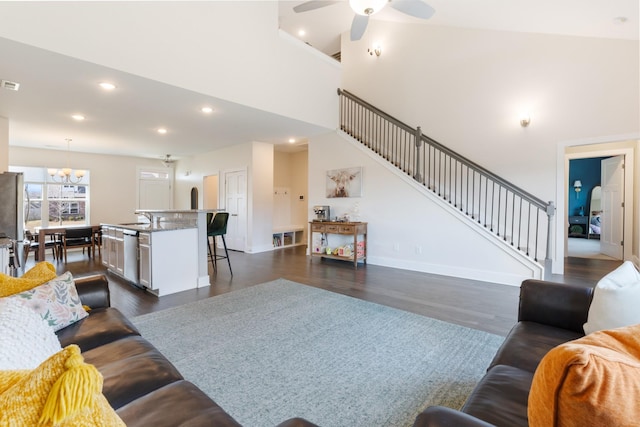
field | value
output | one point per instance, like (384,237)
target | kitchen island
(165,254)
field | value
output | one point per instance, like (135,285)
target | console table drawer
(319,228)
(346,229)
(332,228)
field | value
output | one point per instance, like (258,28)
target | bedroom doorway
(619,182)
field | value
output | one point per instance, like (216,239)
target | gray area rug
(282,349)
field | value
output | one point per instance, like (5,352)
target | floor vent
(9,85)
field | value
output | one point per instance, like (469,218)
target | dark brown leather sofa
(142,386)
(549,314)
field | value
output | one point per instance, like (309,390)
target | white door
(235,190)
(154,188)
(154,194)
(612,218)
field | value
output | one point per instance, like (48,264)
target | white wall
(257,159)
(231,50)
(4,144)
(113,178)
(259,232)
(299,187)
(406,229)
(291,171)
(467,88)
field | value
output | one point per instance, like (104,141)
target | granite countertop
(148,227)
(5,242)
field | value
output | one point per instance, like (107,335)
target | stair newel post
(418,176)
(548,262)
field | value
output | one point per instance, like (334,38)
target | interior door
(154,194)
(612,219)
(236,204)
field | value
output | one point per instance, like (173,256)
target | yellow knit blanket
(41,273)
(63,391)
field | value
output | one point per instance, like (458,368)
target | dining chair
(54,243)
(217,226)
(78,238)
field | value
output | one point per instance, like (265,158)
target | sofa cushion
(189,406)
(56,301)
(103,325)
(501,396)
(528,342)
(26,340)
(591,381)
(131,367)
(615,300)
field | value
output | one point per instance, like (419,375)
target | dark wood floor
(486,306)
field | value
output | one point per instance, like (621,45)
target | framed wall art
(344,182)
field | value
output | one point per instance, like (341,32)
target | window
(67,204)
(33,205)
(49,203)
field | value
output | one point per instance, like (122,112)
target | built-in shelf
(284,237)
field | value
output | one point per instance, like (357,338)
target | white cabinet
(113,249)
(106,246)
(144,245)
(120,251)
(163,261)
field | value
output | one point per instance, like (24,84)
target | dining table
(43,232)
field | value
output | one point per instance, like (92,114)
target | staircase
(512,215)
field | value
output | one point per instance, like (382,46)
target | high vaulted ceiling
(125,121)
(617,19)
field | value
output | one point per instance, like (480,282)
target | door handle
(234,214)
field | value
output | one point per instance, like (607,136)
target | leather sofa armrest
(296,422)
(555,304)
(440,416)
(94,291)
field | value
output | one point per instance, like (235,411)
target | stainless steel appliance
(130,255)
(12,205)
(323,213)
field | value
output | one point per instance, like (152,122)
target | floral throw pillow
(56,301)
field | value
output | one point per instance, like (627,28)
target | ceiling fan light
(367,7)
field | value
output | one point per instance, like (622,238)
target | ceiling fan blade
(312,5)
(358,26)
(416,8)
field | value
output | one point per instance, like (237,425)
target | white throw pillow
(26,340)
(616,300)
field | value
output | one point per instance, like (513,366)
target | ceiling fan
(167,161)
(365,8)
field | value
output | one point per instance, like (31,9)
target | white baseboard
(453,271)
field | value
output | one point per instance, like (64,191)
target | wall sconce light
(525,120)
(577,186)
(377,50)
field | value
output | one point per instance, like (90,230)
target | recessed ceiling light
(206,110)
(162,131)
(302,33)
(78,117)
(291,140)
(107,86)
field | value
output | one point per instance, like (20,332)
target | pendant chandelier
(66,175)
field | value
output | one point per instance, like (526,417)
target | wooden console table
(358,251)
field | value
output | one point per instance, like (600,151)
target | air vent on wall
(9,85)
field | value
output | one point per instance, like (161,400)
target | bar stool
(218,227)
